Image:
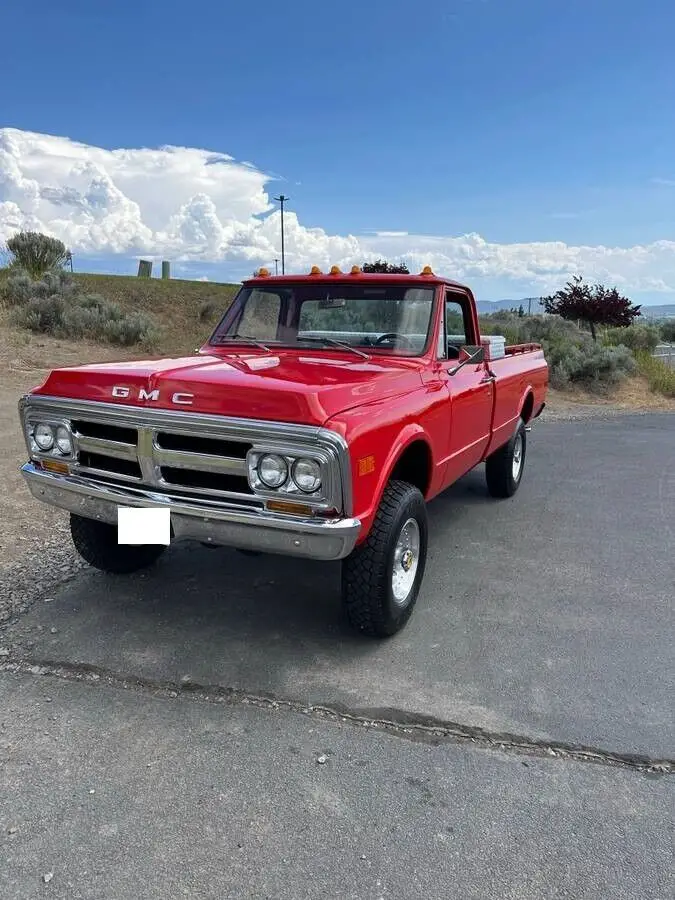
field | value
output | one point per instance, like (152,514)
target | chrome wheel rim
(406,562)
(517,456)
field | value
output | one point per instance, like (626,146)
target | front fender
(368,492)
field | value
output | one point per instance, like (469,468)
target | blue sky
(519,120)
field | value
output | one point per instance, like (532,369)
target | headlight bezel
(289,488)
(54,451)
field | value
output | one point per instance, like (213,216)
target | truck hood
(290,386)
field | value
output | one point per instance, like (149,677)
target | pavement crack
(415,727)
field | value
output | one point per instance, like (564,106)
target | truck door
(470,389)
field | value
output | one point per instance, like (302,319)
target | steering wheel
(394,336)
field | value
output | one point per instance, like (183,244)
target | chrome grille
(161,458)
(190,455)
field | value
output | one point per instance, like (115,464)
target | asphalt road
(548,617)
(126,796)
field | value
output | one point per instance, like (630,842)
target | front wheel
(96,542)
(382,577)
(504,467)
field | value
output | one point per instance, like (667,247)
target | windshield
(392,318)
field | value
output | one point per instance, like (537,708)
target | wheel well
(528,408)
(414,466)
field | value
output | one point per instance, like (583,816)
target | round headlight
(307,475)
(63,441)
(272,470)
(44,436)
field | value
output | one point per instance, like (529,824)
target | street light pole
(281,200)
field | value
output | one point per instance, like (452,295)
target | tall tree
(592,304)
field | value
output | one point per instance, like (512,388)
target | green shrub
(660,376)
(636,337)
(573,357)
(668,331)
(19,287)
(36,253)
(89,316)
(595,368)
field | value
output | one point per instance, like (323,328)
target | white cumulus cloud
(202,207)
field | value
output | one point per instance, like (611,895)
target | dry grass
(631,394)
(659,375)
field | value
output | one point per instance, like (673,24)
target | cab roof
(347,277)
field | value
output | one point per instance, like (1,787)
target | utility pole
(276,266)
(281,200)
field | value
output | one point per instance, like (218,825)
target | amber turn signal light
(290,508)
(53,465)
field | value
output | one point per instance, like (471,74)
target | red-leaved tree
(593,304)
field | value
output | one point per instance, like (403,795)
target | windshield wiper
(333,343)
(242,339)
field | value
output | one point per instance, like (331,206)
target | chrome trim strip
(323,539)
(104,447)
(103,473)
(202,462)
(261,433)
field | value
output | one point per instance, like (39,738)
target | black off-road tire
(499,466)
(96,542)
(367,593)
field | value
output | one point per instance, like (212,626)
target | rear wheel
(96,542)
(504,468)
(382,577)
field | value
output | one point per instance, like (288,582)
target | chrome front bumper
(324,539)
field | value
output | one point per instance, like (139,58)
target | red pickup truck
(321,415)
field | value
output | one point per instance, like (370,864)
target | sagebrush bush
(36,253)
(668,331)
(89,316)
(572,355)
(19,287)
(636,337)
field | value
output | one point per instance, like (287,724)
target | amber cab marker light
(427,270)
(335,270)
(315,270)
(356,270)
(263,273)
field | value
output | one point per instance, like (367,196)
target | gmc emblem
(178,398)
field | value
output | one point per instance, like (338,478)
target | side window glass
(455,328)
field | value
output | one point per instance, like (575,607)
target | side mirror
(468,354)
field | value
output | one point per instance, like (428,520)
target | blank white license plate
(143,526)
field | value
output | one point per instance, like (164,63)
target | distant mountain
(667,311)
(533,305)
(529,304)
